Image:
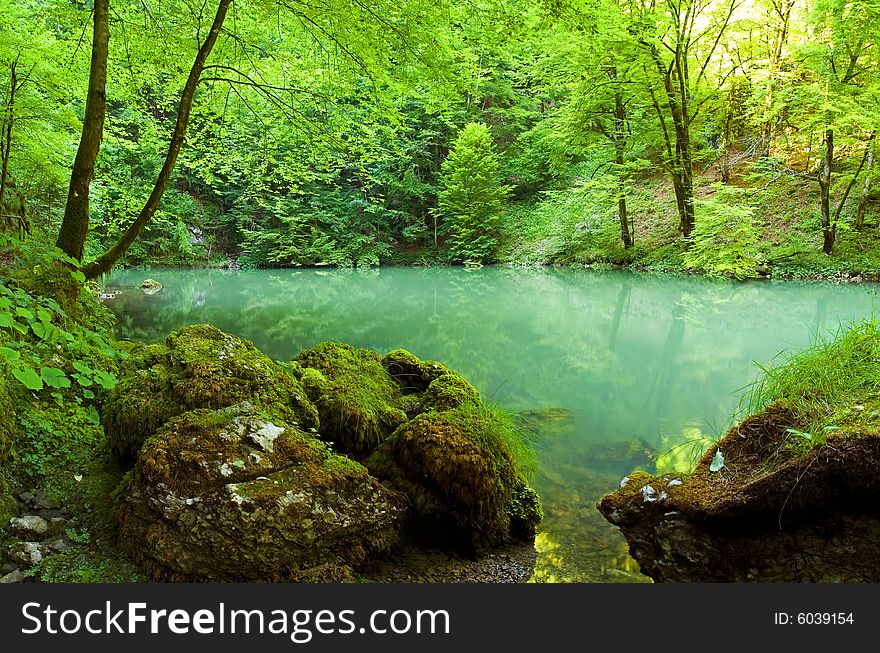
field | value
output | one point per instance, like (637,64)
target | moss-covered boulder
(197,367)
(459,472)
(227,495)
(411,373)
(357,400)
(448,391)
(773,513)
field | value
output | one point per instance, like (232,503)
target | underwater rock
(197,367)
(461,478)
(226,495)
(355,397)
(547,421)
(774,513)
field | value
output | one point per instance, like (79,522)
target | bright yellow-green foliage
(472,197)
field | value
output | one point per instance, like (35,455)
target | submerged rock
(151,286)
(458,471)
(197,367)
(357,400)
(772,514)
(226,495)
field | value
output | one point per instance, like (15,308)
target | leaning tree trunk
(75,226)
(108,259)
(866,189)
(828,228)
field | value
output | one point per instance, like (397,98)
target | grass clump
(829,387)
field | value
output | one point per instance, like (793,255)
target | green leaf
(25,313)
(88,394)
(78,276)
(82,368)
(44,316)
(83,380)
(93,415)
(6,320)
(28,377)
(43,331)
(717,462)
(238,463)
(9,354)
(105,380)
(54,378)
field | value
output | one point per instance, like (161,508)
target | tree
(471,197)
(75,226)
(682,39)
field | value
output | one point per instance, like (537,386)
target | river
(611,370)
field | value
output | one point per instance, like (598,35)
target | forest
(499,291)
(731,137)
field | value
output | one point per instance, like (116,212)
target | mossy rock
(461,477)
(358,402)
(448,391)
(772,513)
(411,373)
(197,367)
(226,495)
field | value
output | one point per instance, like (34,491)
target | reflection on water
(609,367)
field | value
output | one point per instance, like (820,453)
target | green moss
(198,367)
(85,565)
(411,373)
(7,416)
(449,391)
(461,474)
(358,402)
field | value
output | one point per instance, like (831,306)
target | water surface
(610,367)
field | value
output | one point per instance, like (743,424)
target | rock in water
(458,471)
(355,397)
(226,495)
(151,286)
(772,514)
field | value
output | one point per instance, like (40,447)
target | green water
(609,367)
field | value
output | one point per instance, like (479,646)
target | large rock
(773,513)
(458,471)
(357,400)
(229,496)
(197,367)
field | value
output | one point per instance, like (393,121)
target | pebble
(29,526)
(12,577)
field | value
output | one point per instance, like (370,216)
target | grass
(831,384)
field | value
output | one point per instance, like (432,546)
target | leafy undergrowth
(57,362)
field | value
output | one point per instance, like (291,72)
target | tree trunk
(108,259)
(75,226)
(828,228)
(8,119)
(866,189)
(619,150)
